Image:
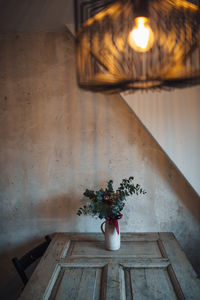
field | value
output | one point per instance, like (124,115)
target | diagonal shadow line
(176,179)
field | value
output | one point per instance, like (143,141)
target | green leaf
(110,186)
(98,207)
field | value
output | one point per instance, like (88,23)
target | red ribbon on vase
(114,221)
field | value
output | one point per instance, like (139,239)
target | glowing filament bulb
(141,38)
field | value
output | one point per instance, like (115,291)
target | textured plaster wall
(56,140)
(173,119)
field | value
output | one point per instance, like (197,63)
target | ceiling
(37,15)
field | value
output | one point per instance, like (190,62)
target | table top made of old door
(147,266)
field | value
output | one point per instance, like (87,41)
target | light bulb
(141,37)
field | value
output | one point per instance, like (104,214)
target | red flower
(108,202)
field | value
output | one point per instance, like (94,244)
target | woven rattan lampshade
(106,61)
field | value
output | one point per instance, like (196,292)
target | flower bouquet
(108,204)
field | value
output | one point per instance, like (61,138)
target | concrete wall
(173,119)
(56,140)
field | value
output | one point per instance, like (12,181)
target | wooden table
(147,266)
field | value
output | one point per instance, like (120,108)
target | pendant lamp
(131,44)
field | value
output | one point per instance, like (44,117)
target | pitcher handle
(102,227)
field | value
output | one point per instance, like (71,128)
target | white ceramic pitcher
(112,238)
